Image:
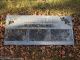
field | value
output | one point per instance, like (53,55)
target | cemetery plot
(38,30)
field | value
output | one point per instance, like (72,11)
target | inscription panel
(38,30)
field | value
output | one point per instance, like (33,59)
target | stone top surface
(38,30)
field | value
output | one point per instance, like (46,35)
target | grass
(31,6)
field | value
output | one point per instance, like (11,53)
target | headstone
(38,30)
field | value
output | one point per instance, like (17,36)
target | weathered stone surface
(38,30)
